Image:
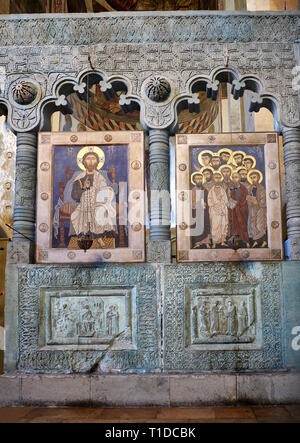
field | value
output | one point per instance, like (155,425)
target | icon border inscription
(244,252)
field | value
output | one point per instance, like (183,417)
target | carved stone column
(24,210)
(291,151)
(160,212)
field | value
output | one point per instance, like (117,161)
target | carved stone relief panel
(93,319)
(224,317)
(112,325)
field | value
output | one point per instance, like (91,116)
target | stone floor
(283,414)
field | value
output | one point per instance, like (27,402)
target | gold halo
(87,149)
(193,175)
(229,151)
(240,168)
(203,169)
(202,153)
(238,152)
(226,166)
(252,158)
(219,173)
(206,167)
(261,177)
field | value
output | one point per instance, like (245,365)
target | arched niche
(210,85)
(69,95)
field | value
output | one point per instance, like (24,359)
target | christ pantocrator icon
(95,212)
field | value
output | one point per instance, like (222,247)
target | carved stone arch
(5,107)
(261,98)
(61,89)
(128,101)
(81,85)
(210,85)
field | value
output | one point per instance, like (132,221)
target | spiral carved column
(291,150)
(159,247)
(24,210)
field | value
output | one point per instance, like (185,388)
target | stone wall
(168,325)
(152,318)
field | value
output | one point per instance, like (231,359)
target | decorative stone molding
(224,317)
(226,346)
(163,27)
(24,92)
(19,252)
(65,342)
(158,251)
(163,45)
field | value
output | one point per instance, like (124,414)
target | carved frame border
(268,142)
(135,252)
(218,290)
(47,343)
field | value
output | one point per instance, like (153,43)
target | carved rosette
(158,89)
(24,92)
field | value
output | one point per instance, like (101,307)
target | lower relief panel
(107,318)
(84,319)
(222,317)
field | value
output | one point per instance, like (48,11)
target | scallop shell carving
(158,89)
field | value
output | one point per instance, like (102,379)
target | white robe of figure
(95,211)
(218,213)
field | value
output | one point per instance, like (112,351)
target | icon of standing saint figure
(228,198)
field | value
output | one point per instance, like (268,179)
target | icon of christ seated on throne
(88,203)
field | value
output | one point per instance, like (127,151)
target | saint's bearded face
(236,178)
(254,178)
(225,157)
(198,180)
(226,174)
(90,162)
(243,175)
(208,176)
(217,178)
(216,162)
(206,160)
(248,164)
(238,160)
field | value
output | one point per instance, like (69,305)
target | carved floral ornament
(157,89)
(24,92)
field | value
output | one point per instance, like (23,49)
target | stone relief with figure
(223,316)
